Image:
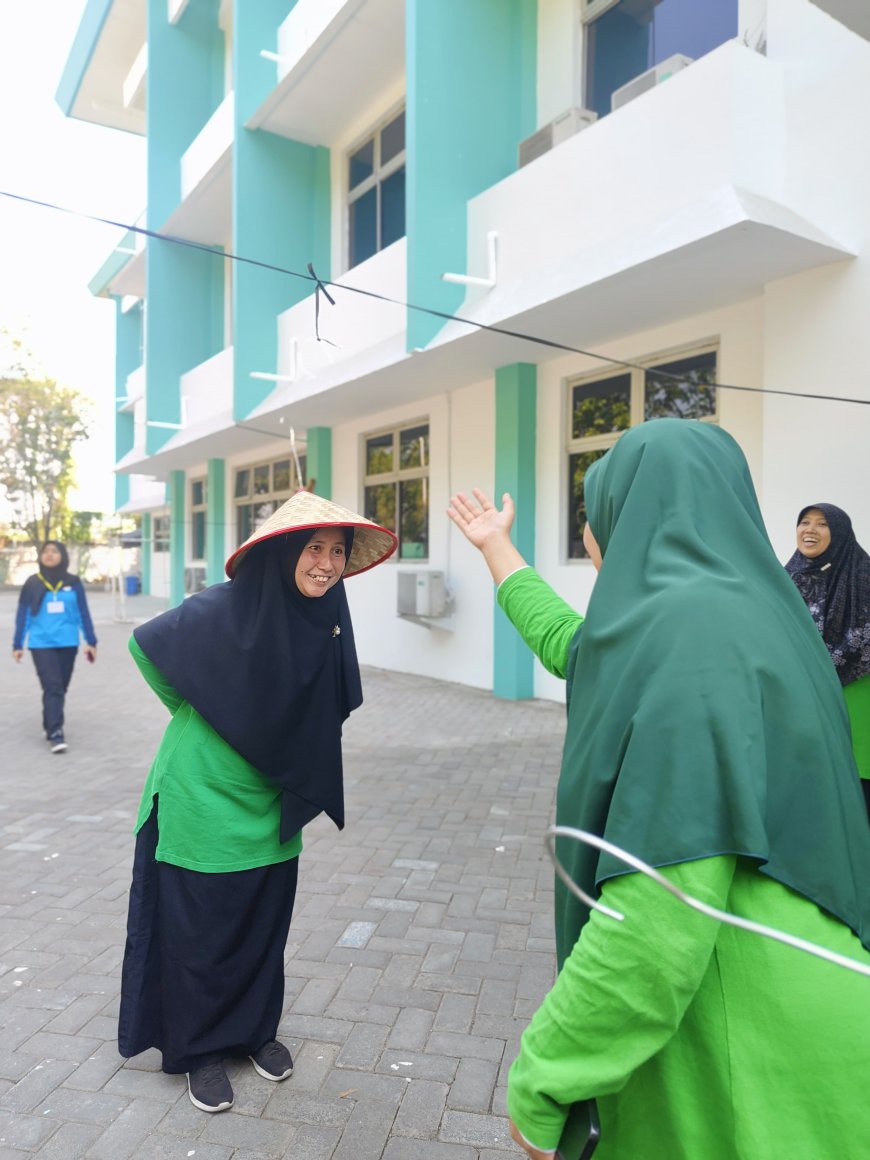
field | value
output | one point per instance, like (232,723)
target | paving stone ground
(420,945)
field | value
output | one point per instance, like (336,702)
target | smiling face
(50,556)
(321,562)
(813,534)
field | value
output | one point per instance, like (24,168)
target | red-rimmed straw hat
(372,544)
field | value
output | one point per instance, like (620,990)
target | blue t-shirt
(62,619)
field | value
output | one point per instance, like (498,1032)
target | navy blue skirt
(203,975)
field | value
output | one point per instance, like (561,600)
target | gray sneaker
(209,1089)
(57,743)
(273,1061)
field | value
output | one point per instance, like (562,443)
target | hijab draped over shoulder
(35,587)
(704,715)
(836,589)
(273,672)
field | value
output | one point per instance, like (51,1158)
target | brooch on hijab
(336,630)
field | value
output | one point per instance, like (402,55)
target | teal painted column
(184,287)
(128,356)
(471,84)
(146,552)
(177,537)
(281,208)
(319,460)
(515,434)
(215,522)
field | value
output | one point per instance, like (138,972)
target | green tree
(40,425)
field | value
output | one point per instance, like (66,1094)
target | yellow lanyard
(53,590)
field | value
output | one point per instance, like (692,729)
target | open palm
(479,519)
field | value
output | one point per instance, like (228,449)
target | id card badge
(55,606)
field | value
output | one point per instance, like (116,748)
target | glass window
(160,533)
(578,465)
(243,483)
(198,496)
(683,389)
(271,484)
(261,479)
(396,486)
(601,408)
(631,36)
(376,191)
(197,492)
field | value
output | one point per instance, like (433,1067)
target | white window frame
(637,398)
(378,176)
(398,476)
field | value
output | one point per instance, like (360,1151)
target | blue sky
(47,258)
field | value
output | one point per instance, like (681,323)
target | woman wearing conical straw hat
(259,674)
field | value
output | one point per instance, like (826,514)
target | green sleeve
(155,678)
(545,622)
(640,974)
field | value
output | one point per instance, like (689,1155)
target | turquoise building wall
(471,77)
(128,357)
(515,472)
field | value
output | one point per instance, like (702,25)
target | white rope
(791,940)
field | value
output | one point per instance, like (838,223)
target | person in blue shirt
(53,616)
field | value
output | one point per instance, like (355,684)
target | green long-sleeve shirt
(216,812)
(699,1041)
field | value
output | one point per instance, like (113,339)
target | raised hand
(489,529)
(479,521)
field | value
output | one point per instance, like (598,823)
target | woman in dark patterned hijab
(832,573)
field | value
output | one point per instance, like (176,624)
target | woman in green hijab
(706,735)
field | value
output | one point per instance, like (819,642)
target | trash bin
(132,585)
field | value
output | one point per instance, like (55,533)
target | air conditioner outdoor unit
(422,594)
(554,133)
(648,80)
(194,579)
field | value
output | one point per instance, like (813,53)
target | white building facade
(679,185)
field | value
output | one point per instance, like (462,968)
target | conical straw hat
(371,543)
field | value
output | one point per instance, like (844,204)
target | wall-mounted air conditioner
(422,596)
(554,133)
(194,579)
(648,80)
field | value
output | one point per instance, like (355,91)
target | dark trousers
(54,667)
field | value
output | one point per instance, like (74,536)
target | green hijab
(704,714)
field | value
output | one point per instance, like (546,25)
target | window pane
(281,475)
(244,522)
(363,227)
(243,483)
(414,530)
(261,480)
(197,492)
(414,446)
(636,34)
(393,208)
(362,164)
(691,396)
(198,536)
(380,505)
(578,465)
(601,407)
(393,138)
(379,454)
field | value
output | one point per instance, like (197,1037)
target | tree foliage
(40,425)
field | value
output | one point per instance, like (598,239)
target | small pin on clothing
(336,631)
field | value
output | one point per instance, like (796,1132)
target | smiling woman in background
(832,573)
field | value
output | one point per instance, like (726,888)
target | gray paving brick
(421,1109)
(473,1085)
(484,1131)
(25,1132)
(437,776)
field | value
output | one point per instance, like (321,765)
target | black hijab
(34,589)
(836,589)
(273,672)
